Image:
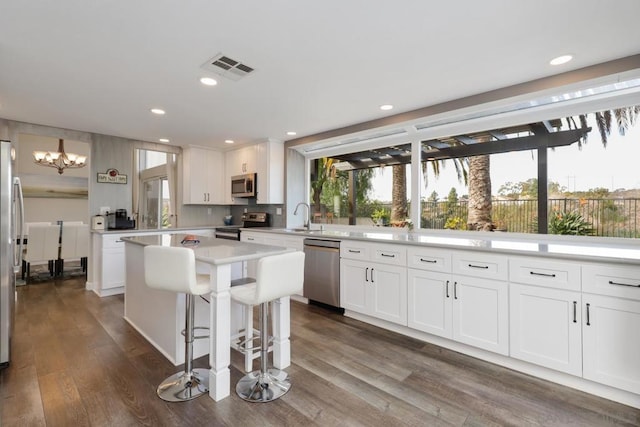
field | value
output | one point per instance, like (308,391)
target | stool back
(172,269)
(279,276)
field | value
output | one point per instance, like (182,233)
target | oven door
(229,234)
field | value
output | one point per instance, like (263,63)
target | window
(154,198)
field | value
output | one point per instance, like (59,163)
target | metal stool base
(258,387)
(181,387)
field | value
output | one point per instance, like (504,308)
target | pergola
(533,136)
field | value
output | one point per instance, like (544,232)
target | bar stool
(174,269)
(277,276)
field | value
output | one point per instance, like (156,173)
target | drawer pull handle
(388,255)
(447,287)
(542,274)
(250,238)
(575,309)
(119,241)
(588,315)
(431,261)
(479,266)
(611,282)
(353,252)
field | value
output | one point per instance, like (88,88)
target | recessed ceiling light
(228,141)
(163,140)
(157,111)
(292,133)
(208,81)
(386,107)
(561,60)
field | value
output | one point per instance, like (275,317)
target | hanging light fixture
(59,159)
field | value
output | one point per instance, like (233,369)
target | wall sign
(112,176)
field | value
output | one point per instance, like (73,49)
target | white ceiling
(319,65)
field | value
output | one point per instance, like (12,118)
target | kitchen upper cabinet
(203,177)
(376,286)
(266,160)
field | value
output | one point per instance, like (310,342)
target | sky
(616,166)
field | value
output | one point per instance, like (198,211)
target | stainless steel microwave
(243,185)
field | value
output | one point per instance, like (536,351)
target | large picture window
(568,175)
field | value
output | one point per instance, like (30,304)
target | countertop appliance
(11,231)
(243,185)
(249,220)
(322,271)
(119,220)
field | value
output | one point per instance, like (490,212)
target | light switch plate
(278,211)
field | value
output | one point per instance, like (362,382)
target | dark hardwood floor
(76,362)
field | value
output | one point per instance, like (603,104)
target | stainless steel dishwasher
(322,271)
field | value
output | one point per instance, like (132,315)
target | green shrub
(455,223)
(569,223)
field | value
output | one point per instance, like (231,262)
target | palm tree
(479,166)
(399,194)
(479,216)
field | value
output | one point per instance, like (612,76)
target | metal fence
(608,217)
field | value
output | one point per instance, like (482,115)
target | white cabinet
(112,273)
(266,160)
(481,313)
(273,239)
(203,177)
(611,325)
(545,313)
(546,327)
(377,286)
(430,302)
(460,306)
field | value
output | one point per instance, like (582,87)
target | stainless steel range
(249,220)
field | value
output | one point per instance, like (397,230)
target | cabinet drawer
(480,265)
(112,241)
(431,259)
(390,254)
(354,250)
(559,275)
(251,238)
(616,281)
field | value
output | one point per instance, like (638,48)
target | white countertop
(620,252)
(150,231)
(210,250)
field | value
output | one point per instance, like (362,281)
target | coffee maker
(120,221)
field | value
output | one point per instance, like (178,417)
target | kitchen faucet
(307,223)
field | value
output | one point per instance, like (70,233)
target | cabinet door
(215,178)
(195,187)
(611,336)
(113,267)
(429,300)
(480,313)
(546,327)
(354,285)
(388,285)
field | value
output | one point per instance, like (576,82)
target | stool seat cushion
(276,276)
(244,294)
(174,269)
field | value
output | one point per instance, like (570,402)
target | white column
(220,331)
(281,316)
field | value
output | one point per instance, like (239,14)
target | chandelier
(59,159)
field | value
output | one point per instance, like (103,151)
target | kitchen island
(159,315)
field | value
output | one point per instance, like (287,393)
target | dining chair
(43,246)
(75,244)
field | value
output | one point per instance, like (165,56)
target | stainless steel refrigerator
(11,226)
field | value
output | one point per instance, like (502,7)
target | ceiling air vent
(227,67)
